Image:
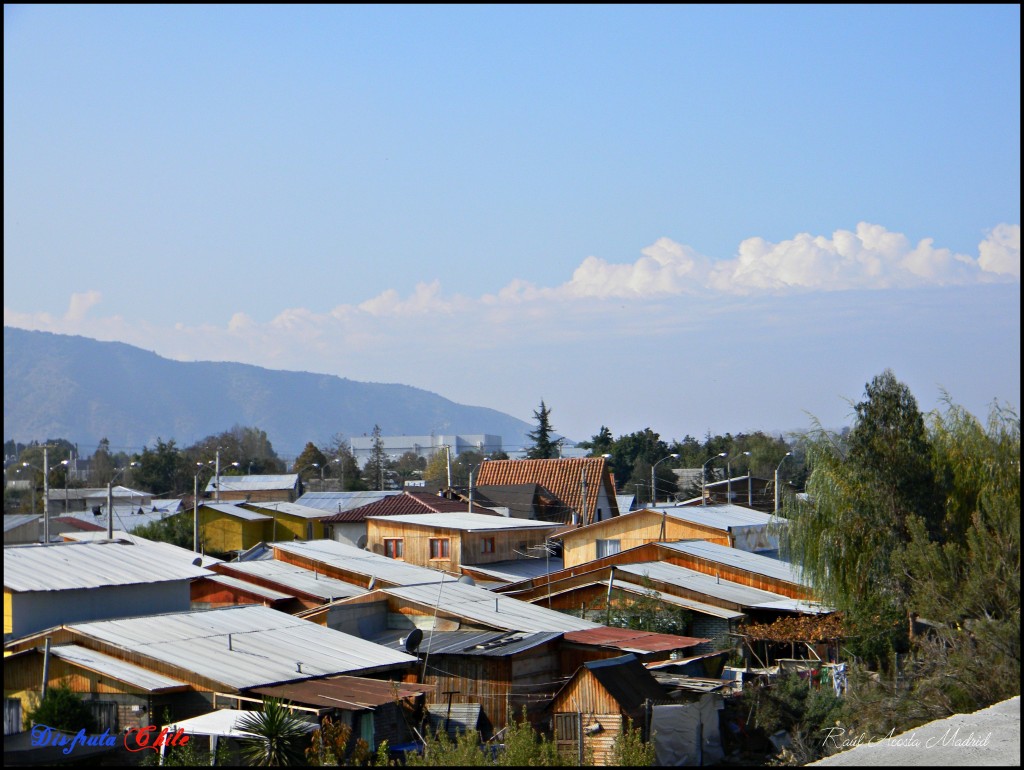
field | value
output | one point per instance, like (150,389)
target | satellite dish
(412,641)
(467,580)
(197,562)
(361,542)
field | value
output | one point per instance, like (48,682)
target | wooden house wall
(736,575)
(207,594)
(325,569)
(220,532)
(416,542)
(287,526)
(584,694)
(506,544)
(635,530)
(258,496)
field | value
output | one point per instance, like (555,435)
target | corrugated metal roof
(122,671)
(353,693)
(71,565)
(723,515)
(514,570)
(698,582)
(262,483)
(292,577)
(486,643)
(265,646)
(227,723)
(360,562)
(733,557)
(78,524)
(801,606)
(334,502)
(487,608)
(244,585)
(679,601)
(632,640)
(126,517)
(237,511)
(291,509)
(468,522)
(15,520)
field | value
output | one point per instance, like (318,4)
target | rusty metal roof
(632,640)
(352,693)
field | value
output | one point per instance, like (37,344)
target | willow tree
(864,491)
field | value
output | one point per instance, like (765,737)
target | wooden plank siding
(222,533)
(632,530)
(585,695)
(325,569)
(464,547)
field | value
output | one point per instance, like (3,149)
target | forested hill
(59,386)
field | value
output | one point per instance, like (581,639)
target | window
(438,548)
(394,547)
(608,547)
(487,545)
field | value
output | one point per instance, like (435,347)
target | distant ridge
(81,389)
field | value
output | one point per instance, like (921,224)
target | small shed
(599,702)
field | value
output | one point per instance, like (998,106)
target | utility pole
(46,495)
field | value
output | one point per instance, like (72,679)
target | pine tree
(544,448)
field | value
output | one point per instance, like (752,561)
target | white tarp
(755,537)
(687,733)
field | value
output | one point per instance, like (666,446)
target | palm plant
(277,739)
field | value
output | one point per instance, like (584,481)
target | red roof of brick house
(401,505)
(561,477)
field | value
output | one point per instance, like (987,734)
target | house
(446,541)
(23,528)
(750,569)
(231,650)
(349,525)
(291,520)
(355,566)
(226,527)
(264,488)
(727,525)
(601,700)
(90,498)
(501,672)
(425,446)
(583,488)
(751,491)
(308,587)
(50,584)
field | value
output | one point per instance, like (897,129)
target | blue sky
(689,218)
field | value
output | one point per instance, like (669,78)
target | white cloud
(80,304)
(1000,251)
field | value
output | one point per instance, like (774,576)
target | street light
(703,477)
(777,479)
(728,474)
(654,494)
(475,467)
(110,498)
(45,470)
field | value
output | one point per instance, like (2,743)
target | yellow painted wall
(8,613)
(221,532)
(632,530)
(289,526)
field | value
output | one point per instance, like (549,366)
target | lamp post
(728,476)
(110,498)
(45,470)
(474,468)
(703,477)
(195,505)
(788,454)
(654,494)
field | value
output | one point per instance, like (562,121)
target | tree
(862,494)
(346,466)
(163,470)
(436,470)
(249,447)
(278,737)
(62,709)
(544,447)
(378,462)
(311,456)
(600,443)
(630,749)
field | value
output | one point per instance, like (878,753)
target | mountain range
(84,390)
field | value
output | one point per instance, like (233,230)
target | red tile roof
(562,477)
(85,526)
(400,505)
